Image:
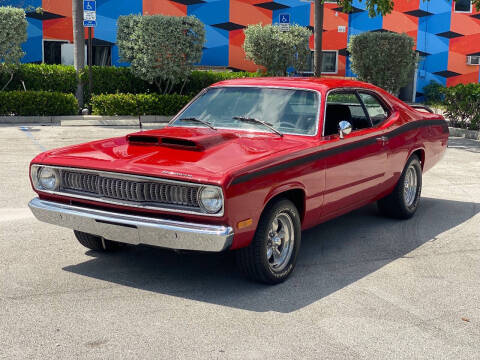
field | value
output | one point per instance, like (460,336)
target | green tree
(383,59)
(275,49)
(161,49)
(13,33)
(374,8)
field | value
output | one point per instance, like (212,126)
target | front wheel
(272,255)
(402,202)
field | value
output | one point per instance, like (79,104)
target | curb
(467,134)
(84,120)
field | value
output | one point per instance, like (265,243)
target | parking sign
(89,13)
(284,22)
(89,5)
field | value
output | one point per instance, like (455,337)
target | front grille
(157,192)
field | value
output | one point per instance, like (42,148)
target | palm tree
(318,30)
(79,46)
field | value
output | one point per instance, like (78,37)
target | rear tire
(402,202)
(95,242)
(272,255)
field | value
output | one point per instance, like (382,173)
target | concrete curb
(467,134)
(84,120)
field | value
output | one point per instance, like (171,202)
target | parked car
(246,166)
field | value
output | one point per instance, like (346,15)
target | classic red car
(246,166)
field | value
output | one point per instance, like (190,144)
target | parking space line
(26,130)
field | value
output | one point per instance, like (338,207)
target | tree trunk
(79,46)
(317,60)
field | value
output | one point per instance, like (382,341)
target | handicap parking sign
(89,5)
(284,19)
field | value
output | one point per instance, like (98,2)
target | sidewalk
(85,120)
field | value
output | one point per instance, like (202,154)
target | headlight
(45,178)
(211,199)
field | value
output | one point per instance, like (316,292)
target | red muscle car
(246,166)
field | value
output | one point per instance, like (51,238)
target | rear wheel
(402,202)
(272,255)
(95,242)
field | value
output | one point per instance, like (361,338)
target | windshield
(289,111)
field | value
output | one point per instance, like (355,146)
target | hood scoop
(194,143)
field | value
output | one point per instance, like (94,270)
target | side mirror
(344,128)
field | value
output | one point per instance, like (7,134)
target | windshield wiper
(194,119)
(257,122)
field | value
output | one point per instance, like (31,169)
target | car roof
(320,84)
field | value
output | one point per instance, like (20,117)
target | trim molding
(337,150)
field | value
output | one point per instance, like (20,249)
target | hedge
(112,80)
(138,104)
(199,80)
(433,93)
(37,103)
(58,78)
(106,79)
(462,104)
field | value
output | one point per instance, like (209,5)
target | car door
(356,166)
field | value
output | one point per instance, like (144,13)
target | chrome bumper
(133,229)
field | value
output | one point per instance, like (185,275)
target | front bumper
(132,229)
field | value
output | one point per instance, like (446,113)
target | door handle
(382,139)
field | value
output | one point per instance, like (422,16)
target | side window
(375,109)
(346,106)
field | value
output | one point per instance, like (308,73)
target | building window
(473,60)
(463,6)
(329,62)
(102,55)
(52,52)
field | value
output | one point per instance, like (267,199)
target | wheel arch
(293,192)
(420,153)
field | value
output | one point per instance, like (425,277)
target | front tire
(94,242)
(402,202)
(272,255)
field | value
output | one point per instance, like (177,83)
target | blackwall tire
(272,255)
(94,242)
(402,202)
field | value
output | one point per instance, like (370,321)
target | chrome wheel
(410,186)
(280,242)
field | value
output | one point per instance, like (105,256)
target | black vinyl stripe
(337,150)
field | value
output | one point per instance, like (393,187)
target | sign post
(90,21)
(284,22)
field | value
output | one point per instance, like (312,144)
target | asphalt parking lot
(365,287)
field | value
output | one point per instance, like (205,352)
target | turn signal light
(244,224)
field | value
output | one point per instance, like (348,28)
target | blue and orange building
(446,33)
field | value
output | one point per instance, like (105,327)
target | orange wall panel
(164,7)
(245,13)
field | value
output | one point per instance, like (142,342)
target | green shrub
(462,104)
(106,79)
(138,104)
(42,77)
(13,32)
(275,49)
(112,80)
(37,103)
(433,93)
(199,80)
(383,59)
(161,49)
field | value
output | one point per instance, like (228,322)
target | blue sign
(89,5)
(284,19)
(89,23)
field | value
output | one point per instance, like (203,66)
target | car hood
(192,154)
